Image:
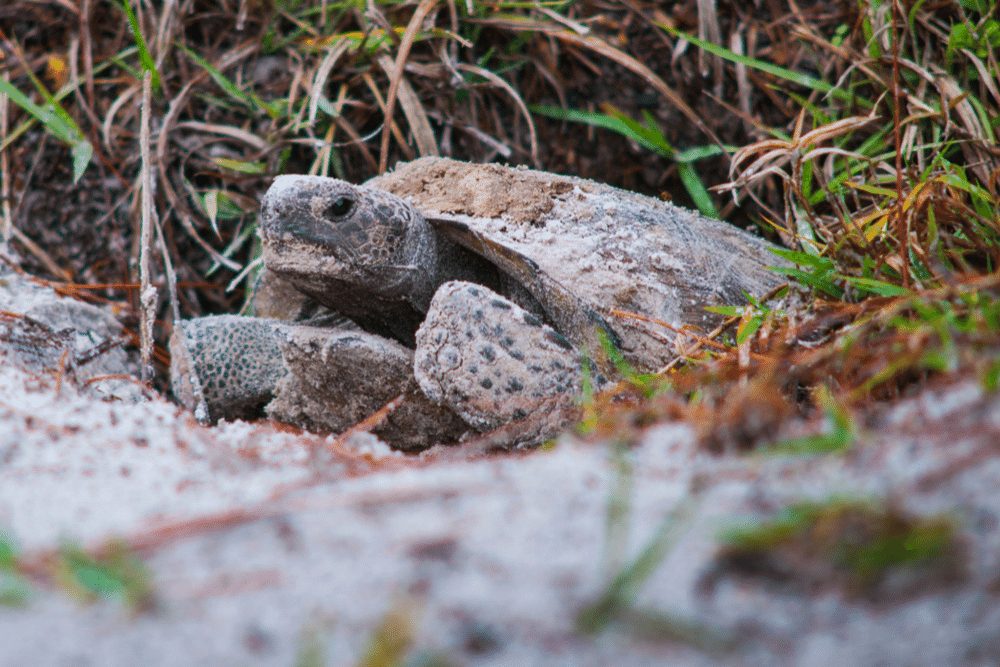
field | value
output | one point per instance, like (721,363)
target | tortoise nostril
(340,207)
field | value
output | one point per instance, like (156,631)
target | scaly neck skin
(391,302)
(386,300)
(392,318)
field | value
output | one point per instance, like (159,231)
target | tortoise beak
(285,207)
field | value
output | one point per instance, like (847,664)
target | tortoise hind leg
(495,364)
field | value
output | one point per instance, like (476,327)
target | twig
(168,268)
(122,377)
(629,315)
(423,9)
(901,231)
(6,224)
(147,293)
(717,331)
(39,253)
(368,423)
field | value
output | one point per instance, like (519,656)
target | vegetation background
(861,134)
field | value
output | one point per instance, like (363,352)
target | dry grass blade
(393,125)
(251,266)
(6,221)
(357,140)
(87,51)
(147,293)
(414,111)
(955,99)
(770,155)
(742,80)
(109,117)
(168,268)
(709,31)
(168,24)
(499,82)
(501,148)
(575,26)
(770,163)
(423,9)
(39,253)
(988,80)
(322,74)
(835,129)
(248,138)
(78,90)
(601,47)
(180,209)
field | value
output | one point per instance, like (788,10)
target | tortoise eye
(339,207)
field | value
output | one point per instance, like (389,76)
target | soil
(263,545)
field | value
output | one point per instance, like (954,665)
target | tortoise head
(326,236)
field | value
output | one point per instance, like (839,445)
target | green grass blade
(623,588)
(728,311)
(817,282)
(840,434)
(241,166)
(747,329)
(792,76)
(700,152)
(148,64)
(650,138)
(601,120)
(65,120)
(878,287)
(248,98)
(57,122)
(804,258)
(699,193)
(81,152)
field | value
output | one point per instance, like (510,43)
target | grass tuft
(392,640)
(14,588)
(857,545)
(116,574)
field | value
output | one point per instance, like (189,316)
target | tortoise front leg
(495,364)
(226,366)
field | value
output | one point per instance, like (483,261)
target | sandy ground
(264,545)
